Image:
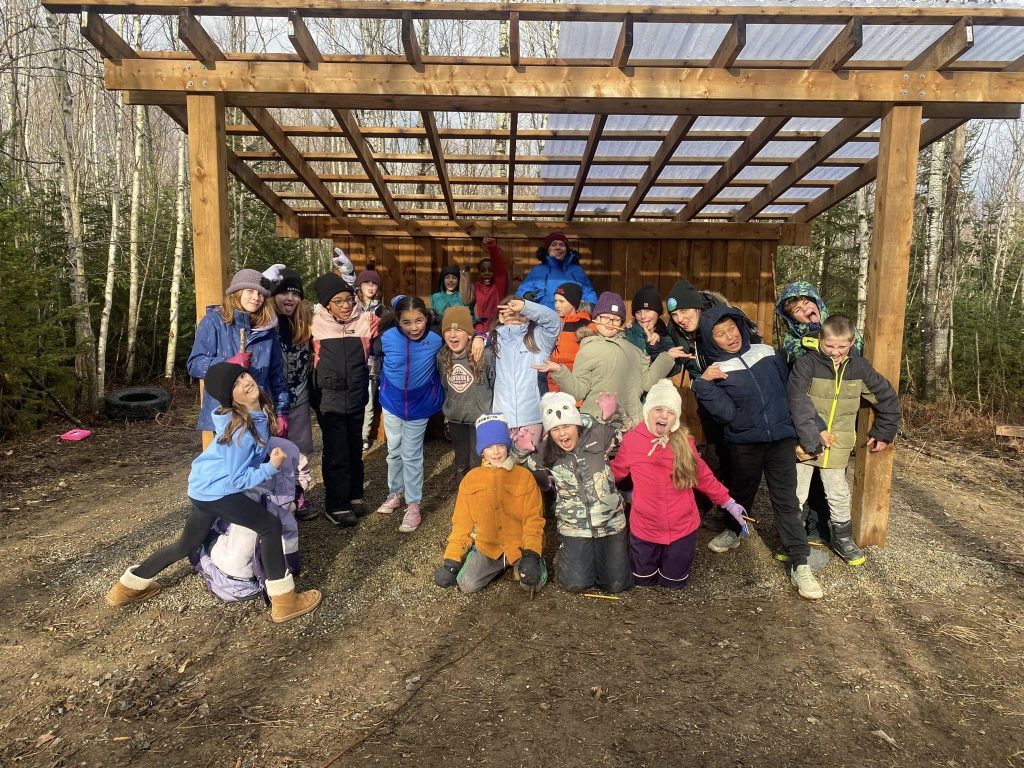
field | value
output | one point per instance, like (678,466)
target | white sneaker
(411,520)
(391,504)
(803,579)
(725,541)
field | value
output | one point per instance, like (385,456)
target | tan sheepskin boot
(286,603)
(131,589)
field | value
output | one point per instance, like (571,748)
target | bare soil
(916,658)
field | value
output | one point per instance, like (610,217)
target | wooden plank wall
(742,270)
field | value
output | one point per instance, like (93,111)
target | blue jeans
(405,456)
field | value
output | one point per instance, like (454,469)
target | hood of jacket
(708,319)
(450,269)
(571,257)
(792,291)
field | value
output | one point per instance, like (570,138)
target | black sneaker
(359,507)
(343,518)
(843,544)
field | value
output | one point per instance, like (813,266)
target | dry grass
(959,422)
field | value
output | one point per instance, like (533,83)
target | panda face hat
(558,409)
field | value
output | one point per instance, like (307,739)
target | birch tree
(133,224)
(179,250)
(115,232)
(863,252)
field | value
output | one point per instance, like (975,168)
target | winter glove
(529,568)
(607,401)
(445,574)
(243,359)
(273,272)
(738,513)
(282,425)
(344,265)
(524,441)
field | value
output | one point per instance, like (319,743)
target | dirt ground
(916,658)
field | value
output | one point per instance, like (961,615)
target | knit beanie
(554,236)
(559,408)
(395,300)
(457,317)
(290,281)
(370,276)
(492,429)
(571,292)
(609,303)
(329,285)
(684,296)
(647,298)
(664,394)
(220,381)
(248,278)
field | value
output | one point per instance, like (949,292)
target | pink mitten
(524,441)
(282,425)
(607,401)
(243,359)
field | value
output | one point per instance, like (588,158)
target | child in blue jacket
(219,486)
(558,264)
(242,330)
(744,388)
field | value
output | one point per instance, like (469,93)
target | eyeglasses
(345,302)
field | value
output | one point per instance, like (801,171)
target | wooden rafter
(596,127)
(513,134)
(952,44)
(657,165)
(198,40)
(733,42)
(302,41)
(411,46)
(513,39)
(268,126)
(624,45)
(835,55)
(347,120)
(104,39)
(430,124)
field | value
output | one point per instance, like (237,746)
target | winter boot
(843,544)
(286,603)
(131,589)
(303,509)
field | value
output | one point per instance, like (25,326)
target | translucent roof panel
(786,41)
(996,44)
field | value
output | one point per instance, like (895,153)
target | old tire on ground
(136,403)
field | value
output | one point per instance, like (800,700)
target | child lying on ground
(501,502)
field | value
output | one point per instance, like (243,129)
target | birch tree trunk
(934,213)
(863,249)
(179,250)
(85,356)
(133,225)
(115,233)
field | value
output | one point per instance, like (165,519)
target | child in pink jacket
(662,458)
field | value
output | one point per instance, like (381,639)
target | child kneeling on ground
(234,463)
(825,389)
(501,501)
(661,456)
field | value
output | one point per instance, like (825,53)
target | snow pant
(237,509)
(342,460)
(300,432)
(478,570)
(667,565)
(585,562)
(368,412)
(405,456)
(464,439)
(837,490)
(776,461)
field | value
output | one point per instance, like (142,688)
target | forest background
(96,284)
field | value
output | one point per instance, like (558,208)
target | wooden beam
(302,41)
(835,55)
(513,39)
(624,45)
(593,90)
(347,120)
(430,124)
(513,137)
(888,274)
(952,44)
(103,38)
(1006,430)
(731,45)
(198,40)
(585,161)
(268,126)
(410,44)
(207,154)
(652,14)
(658,162)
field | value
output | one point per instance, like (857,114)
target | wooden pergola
(721,230)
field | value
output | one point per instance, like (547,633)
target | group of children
(545,393)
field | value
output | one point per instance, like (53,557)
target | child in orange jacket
(568,297)
(501,501)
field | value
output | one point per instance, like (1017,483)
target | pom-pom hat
(664,394)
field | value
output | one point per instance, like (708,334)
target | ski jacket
(791,341)
(341,349)
(410,387)
(568,344)
(516,392)
(223,470)
(487,297)
(543,280)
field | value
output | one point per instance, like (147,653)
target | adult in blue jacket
(244,315)
(744,388)
(557,265)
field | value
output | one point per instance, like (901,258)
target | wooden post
(207,155)
(888,272)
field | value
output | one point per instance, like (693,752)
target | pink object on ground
(76,434)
